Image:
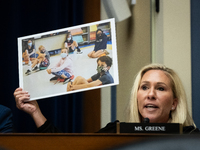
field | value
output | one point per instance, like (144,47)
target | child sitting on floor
(101,78)
(71,44)
(41,62)
(63,69)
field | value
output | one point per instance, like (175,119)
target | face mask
(101,69)
(63,55)
(99,35)
(30,44)
(42,51)
(69,38)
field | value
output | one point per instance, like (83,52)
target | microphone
(146,120)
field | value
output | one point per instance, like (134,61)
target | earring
(172,108)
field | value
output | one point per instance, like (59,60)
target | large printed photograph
(68,60)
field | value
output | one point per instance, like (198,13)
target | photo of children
(61,64)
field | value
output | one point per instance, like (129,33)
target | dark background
(21,18)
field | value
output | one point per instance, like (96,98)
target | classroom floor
(38,83)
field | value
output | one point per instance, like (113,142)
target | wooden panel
(92,99)
(67,141)
(92,108)
(91,10)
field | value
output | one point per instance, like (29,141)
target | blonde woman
(158,94)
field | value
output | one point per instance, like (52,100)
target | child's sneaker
(28,72)
(54,78)
(79,52)
(36,68)
(66,80)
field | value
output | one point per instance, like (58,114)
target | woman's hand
(31,107)
(22,103)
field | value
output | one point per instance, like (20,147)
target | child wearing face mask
(100,45)
(29,54)
(101,78)
(42,61)
(71,44)
(63,69)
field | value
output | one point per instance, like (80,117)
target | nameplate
(161,128)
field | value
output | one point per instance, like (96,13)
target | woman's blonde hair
(179,115)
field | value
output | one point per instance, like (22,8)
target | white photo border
(114,58)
